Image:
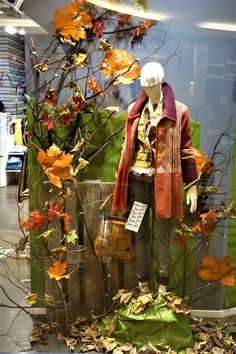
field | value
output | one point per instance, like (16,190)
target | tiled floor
(15,324)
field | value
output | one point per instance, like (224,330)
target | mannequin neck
(153,102)
(155,96)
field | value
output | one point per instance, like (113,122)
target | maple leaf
(55,210)
(79,146)
(208,222)
(48,121)
(124,19)
(41,67)
(66,218)
(36,220)
(180,240)
(48,299)
(79,59)
(77,104)
(50,97)
(104,45)
(47,234)
(119,63)
(204,166)
(71,237)
(57,270)
(59,251)
(63,114)
(196,227)
(70,22)
(223,270)
(98,28)
(31,299)
(82,164)
(94,86)
(56,164)
(141,30)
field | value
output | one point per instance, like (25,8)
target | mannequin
(156,155)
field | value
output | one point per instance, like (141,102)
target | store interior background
(202,74)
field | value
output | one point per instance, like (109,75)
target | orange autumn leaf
(50,97)
(93,85)
(204,166)
(223,270)
(119,63)
(70,21)
(143,27)
(57,270)
(56,164)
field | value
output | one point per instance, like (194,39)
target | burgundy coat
(174,160)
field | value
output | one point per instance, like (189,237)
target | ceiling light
(218,26)
(21,32)
(126,8)
(1,12)
(10,29)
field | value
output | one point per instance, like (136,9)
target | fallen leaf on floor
(36,335)
(125,298)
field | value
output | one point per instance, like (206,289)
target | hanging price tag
(136,216)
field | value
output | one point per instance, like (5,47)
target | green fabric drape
(156,324)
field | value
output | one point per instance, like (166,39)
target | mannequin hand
(191,198)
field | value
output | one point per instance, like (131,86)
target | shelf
(18,171)
(15,153)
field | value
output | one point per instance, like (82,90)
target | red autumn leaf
(208,222)
(56,164)
(98,28)
(66,119)
(223,270)
(55,210)
(57,270)
(77,104)
(197,227)
(48,122)
(180,240)
(36,220)
(93,85)
(124,19)
(66,218)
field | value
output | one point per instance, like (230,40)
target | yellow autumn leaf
(31,299)
(48,299)
(41,67)
(82,164)
(79,59)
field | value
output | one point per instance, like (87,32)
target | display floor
(15,325)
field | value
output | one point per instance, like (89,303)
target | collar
(169,108)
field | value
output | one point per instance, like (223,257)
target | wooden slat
(51,287)
(73,284)
(112,265)
(93,290)
(130,279)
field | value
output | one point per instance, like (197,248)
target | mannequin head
(151,79)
